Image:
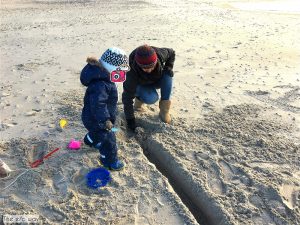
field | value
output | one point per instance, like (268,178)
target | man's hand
(131,124)
(108,125)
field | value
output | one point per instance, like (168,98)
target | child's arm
(112,106)
(98,102)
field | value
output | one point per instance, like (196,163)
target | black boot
(88,141)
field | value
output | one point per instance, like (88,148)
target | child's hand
(108,125)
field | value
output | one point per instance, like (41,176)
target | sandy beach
(231,154)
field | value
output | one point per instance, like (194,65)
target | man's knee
(149,98)
(147,95)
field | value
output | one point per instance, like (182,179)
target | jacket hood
(93,71)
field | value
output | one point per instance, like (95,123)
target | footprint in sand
(270,203)
(214,180)
(80,181)
(52,213)
(291,195)
(27,66)
(60,184)
(79,176)
(288,101)
(213,174)
(233,174)
(142,208)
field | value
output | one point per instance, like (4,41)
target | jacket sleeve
(168,57)
(112,105)
(99,110)
(113,113)
(129,89)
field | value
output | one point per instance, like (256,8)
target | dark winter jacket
(136,76)
(101,96)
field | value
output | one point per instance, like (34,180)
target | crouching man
(151,68)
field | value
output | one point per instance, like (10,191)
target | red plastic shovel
(40,161)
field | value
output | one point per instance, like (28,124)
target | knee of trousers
(149,97)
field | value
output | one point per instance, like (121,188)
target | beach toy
(74,145)
(4,169)
(98,178)
(40,161)
(63,123)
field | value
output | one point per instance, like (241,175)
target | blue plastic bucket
(98,178)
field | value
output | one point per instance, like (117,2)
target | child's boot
(116,166)
(88,141)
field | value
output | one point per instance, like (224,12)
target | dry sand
(232,151)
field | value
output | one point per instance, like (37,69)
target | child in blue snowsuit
(100,105)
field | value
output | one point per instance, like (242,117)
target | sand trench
(224,173)
(200,204)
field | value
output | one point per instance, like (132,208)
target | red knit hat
(145,56)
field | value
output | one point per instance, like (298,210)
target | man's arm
(168,57)
(129,89)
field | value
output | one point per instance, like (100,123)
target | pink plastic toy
(74,145)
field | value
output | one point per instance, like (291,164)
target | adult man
(151,68)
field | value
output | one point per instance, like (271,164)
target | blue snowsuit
(100,105)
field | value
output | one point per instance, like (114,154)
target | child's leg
(94,139)
(108,149)
(106,143)
(88,140)
(108,153)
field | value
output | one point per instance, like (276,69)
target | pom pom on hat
(113,58)
(145,56)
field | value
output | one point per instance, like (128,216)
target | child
(100,105)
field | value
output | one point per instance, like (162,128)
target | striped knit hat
(145,56)
(113,58)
